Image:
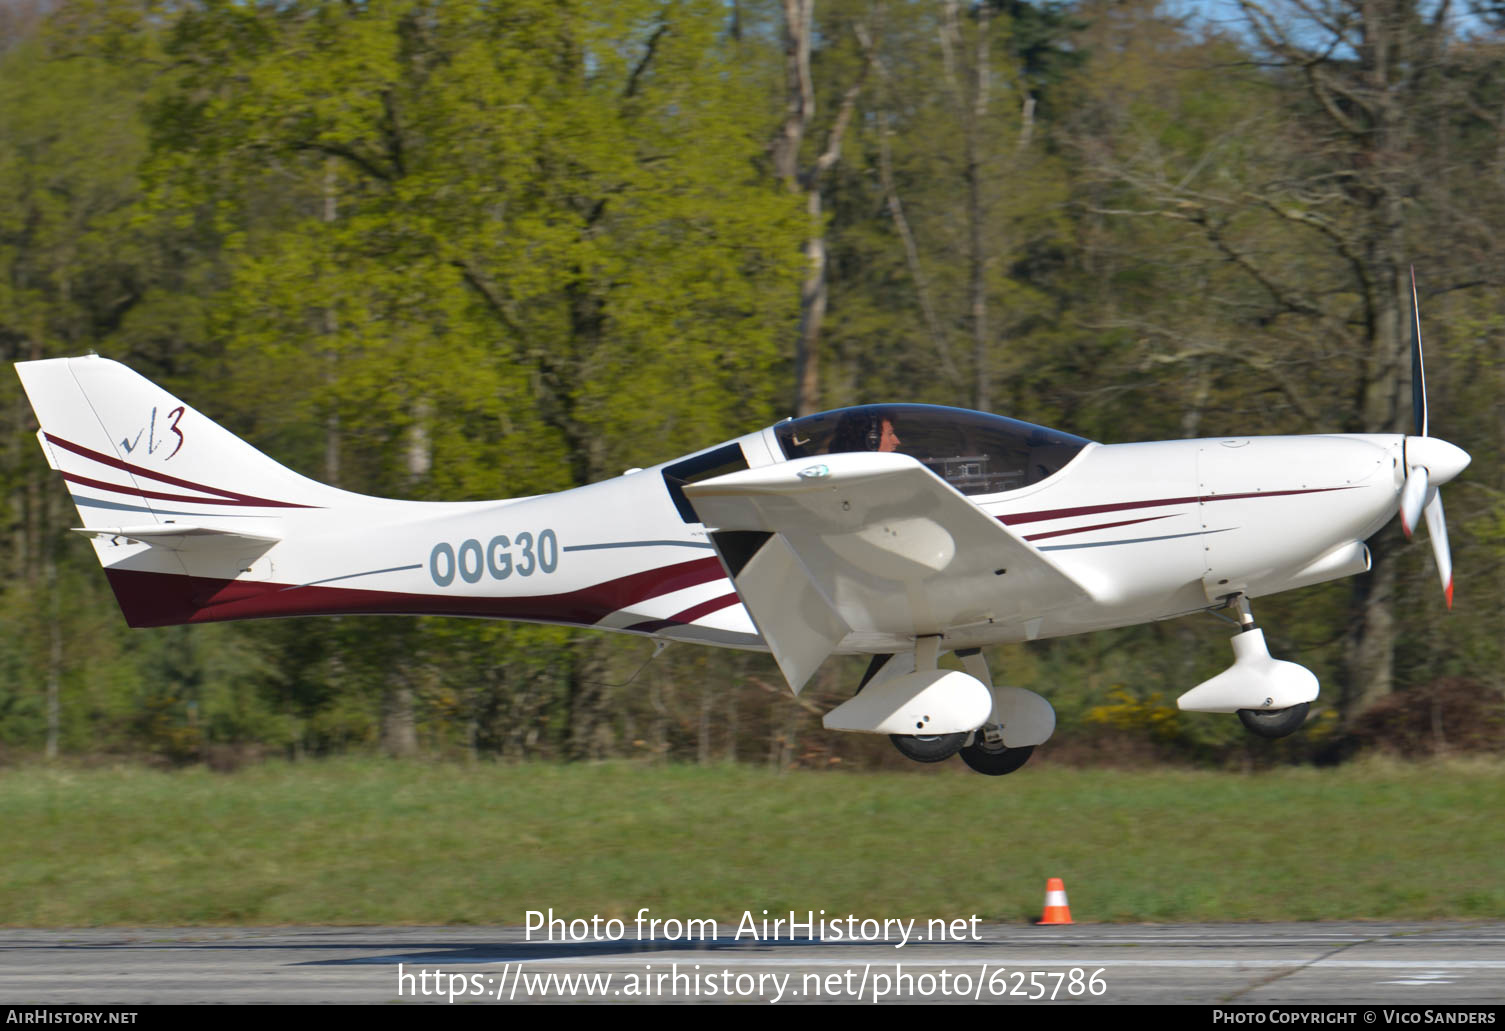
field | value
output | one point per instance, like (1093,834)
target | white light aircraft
(896,531)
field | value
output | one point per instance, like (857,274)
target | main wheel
(932,749)
(1274,723)
(995,761)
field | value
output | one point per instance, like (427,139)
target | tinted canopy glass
(975,452)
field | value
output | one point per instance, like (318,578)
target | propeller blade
(1437,529)
(1412,497)
(1418,376)
(1423,454)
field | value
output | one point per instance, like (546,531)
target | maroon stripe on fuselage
(1122,506)
(169,599)
(689,615)
(120,488)
(1095,526)
(136,470)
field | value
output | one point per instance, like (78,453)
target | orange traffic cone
(1057,911)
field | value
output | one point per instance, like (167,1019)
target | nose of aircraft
(1442,460)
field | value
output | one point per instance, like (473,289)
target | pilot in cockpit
(865,431)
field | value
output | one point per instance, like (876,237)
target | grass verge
(371,842)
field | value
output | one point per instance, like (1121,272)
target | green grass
(369,842)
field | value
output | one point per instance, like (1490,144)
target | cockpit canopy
(975,452)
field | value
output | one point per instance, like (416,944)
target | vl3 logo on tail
(149,431)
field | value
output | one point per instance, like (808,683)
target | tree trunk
(977,257)
(420,451)
(399,727)
(812,313)
(585,703)
(331,356)
(799,114)
(1369,649)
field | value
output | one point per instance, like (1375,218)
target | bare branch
(1276,292)
(338,150)
(482,285)
(1343,245)
(1322,87)
(912,257)
(647,58)
(803,703)
(832,153)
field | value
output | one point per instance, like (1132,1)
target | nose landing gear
(1274,724)
(1271,696)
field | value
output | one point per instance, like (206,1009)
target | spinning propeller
(1430,463)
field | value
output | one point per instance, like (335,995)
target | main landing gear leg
(927,748)
(987,754)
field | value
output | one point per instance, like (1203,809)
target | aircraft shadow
(513,952)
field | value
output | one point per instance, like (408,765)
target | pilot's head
(866,429)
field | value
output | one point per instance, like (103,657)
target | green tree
(487,251)
(1281,185)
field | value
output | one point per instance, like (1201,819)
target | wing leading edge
(868,542)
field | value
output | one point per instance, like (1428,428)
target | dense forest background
(466,251)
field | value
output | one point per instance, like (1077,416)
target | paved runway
(1246,964)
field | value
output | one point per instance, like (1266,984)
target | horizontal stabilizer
(186,537)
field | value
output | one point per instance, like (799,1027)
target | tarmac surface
(1239,964)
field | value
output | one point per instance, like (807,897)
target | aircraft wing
(868,542)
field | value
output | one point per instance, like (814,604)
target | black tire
(1274,723)
(995,762)
(931,749)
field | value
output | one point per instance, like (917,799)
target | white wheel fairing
(1254,681)
(930,703)
(1025,717)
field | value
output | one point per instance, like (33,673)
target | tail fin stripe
(119,488)
(137,470)
(115,463)
(115,506)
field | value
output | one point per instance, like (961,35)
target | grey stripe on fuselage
(1133,540)
(118,507)
(352,576)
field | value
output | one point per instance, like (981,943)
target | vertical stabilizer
(132,453)
(181,512)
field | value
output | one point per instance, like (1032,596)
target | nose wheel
(1272,697)
(1274,723)
(1268,723)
